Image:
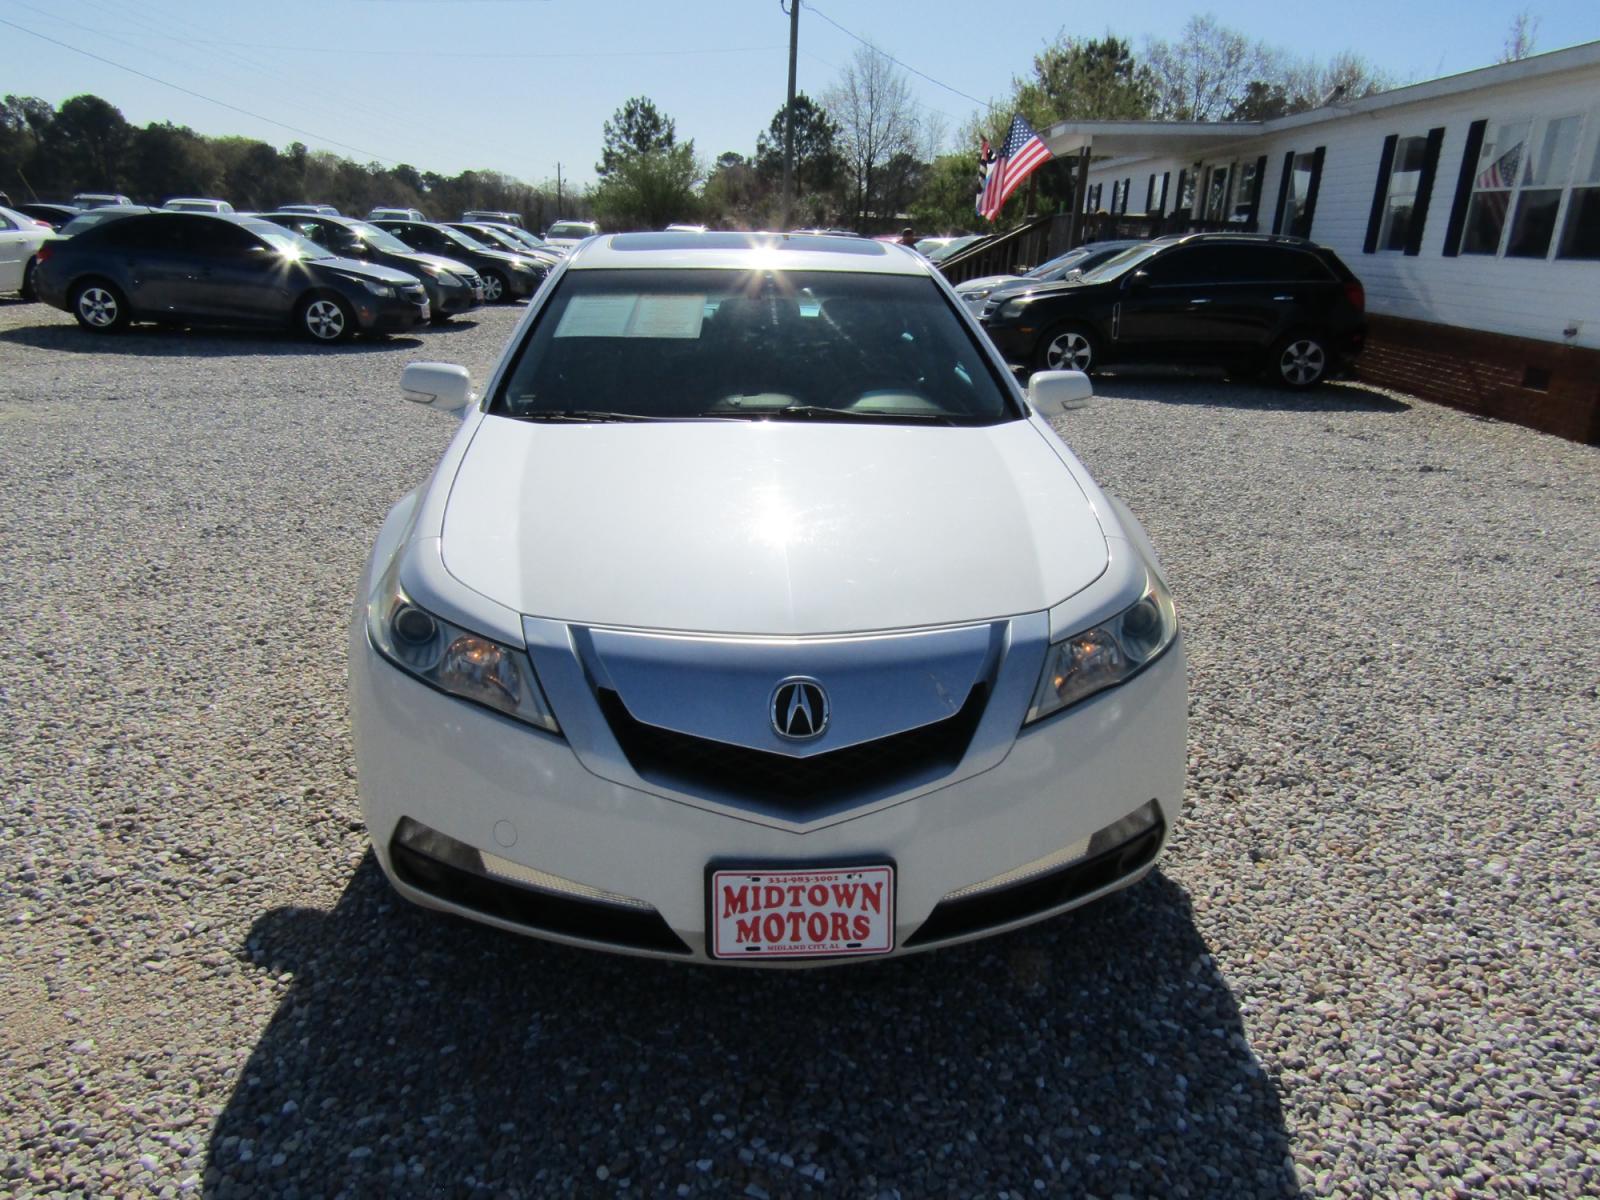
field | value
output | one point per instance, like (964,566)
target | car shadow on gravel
(419,1054)
(153,341)
(1213,391)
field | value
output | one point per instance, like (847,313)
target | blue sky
(520,85)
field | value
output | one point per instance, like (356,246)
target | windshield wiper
(596,416)
(821,412)
(586,415)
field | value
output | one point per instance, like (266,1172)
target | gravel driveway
(1368,965)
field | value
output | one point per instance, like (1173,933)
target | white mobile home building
(1468,206)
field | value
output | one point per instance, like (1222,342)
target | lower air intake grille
(794,785)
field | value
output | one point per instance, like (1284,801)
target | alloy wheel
(1303,362)
(1069,351)
(493,288)
(98,307)
(325,320)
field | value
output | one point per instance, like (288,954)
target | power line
(198,95)
(903,66)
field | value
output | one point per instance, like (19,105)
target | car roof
(745,251)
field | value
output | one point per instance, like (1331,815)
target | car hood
(988,281)
(764,527)
(362,270)
(505,256)
(439,262)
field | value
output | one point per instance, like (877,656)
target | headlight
(372,285)
(452,659)
(977,294)
(1106,654)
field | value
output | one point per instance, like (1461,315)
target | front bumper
(1015,345)
(450,299)
(524,797)
(386,314)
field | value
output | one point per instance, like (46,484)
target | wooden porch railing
(1029,245)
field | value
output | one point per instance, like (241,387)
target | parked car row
(181,268)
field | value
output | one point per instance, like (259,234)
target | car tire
(495,288)
(99,306)
(1068,348)
(1301,361)
(325,317)
(28,291)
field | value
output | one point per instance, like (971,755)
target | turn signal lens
(452,659)
(1107,654)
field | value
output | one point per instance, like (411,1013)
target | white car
(564,235)
(197,204)
(20,239)
(756,616)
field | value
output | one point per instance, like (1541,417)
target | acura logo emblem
(799,709)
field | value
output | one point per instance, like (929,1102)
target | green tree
(636,128)
(168,160)
(648,190)
(817,162)
(947,199)
(88,140)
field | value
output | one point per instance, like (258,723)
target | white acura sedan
(755,615)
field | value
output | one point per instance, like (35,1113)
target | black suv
(1247,302)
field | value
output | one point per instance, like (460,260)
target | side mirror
(444,386)
(1138,281)
(1050,392)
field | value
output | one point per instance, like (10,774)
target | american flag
(1502,172)
(1020,155)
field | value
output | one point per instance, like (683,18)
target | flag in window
(1020,155)
(1502,172)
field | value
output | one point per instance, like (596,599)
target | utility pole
(788,114)
(559,206)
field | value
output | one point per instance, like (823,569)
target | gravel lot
(1369,964)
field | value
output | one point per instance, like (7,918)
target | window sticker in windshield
(633,316)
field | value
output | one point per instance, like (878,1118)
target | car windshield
(382,239)
(752,345)
(285,242)
(492,238)
(568,229)
(1047,269)
(954,246)
(95,216)
(462,240)
(1118,263)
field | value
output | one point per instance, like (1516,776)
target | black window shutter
(1469,168)
(1283,192)
(1166,196)
(1150,194)
(1255,192)
(1419,210)
(1311,193)
(1183,183)
(1380,193)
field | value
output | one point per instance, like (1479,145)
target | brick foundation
(1540,384)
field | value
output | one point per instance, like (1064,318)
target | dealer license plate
(802,912)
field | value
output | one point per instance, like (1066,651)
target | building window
(1300,194)
(1244,195)
(1186,192)
(1580,235)
(1216,194)
(1401,202)
(1527,173)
